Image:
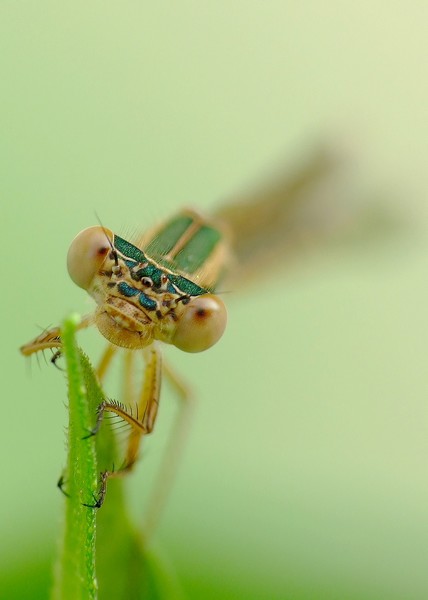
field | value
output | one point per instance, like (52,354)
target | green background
(306,472)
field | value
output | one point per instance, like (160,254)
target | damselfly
(160,288)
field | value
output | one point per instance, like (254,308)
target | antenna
(113,249)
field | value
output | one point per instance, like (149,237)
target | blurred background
(305,475)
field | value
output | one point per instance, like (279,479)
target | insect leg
(172,454)
(51,338)
(105,361)
(148,403)
(141,418)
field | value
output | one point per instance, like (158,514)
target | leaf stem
(75,574)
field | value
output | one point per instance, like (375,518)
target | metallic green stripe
(129,250)
(198,249)
(185,285)
(167,237)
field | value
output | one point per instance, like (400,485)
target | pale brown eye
(87,253)
(201,325)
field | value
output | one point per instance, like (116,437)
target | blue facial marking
(146,302)
(127,290)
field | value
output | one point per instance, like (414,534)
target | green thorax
(189,245)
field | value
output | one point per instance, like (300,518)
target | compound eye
(201,324)
(87,253)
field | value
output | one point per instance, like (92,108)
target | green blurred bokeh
(306,472)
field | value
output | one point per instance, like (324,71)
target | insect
(160,288)
(160,294)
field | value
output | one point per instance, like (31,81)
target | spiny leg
(51,338)
(172,453)
(141,419)
(142,423)
(103,366)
